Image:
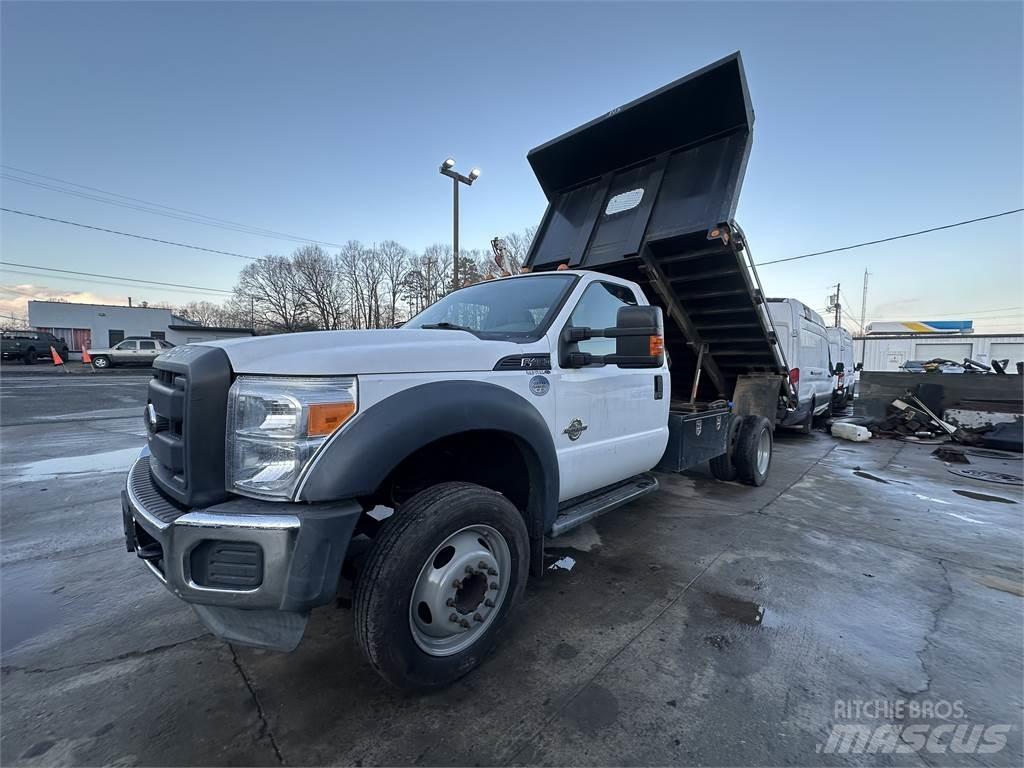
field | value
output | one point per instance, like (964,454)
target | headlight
(275,425)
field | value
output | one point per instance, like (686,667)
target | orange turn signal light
(655,346)
(324,418)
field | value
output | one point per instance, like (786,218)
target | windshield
(500,309)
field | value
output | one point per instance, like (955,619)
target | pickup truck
(30,346)
(426,466)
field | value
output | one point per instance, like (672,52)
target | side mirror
(859,367)
(840,367)
(639,338)
(639,335)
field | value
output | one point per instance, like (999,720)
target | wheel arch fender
(358,459)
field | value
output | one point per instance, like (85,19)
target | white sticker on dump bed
(624,201)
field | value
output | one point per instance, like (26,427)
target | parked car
(840,345)
(804,341)
(131,351)
(29,346)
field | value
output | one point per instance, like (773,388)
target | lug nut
(491,572)
(454,617)
(482,565)
(457,584)
(450,602)
(494,585)
(489,603)
(464,624)
(470,570)
(477,617)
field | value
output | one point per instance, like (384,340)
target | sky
(328,121)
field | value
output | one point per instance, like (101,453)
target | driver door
(610,422)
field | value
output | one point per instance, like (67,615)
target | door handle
(659,387)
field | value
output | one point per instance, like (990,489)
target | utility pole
(833,304)
(863,316)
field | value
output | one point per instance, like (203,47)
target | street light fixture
(448,169)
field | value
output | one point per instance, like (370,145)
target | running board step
(597,504)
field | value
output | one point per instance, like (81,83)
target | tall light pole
(448,169)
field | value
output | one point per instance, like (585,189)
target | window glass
(598,307)
(500,309)
(126,345)
(147,345)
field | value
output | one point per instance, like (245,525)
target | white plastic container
(854,432)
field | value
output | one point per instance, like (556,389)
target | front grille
(141,484)
(188,393)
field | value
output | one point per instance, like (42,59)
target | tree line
(360,286)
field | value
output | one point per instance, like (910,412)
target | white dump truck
(426,466)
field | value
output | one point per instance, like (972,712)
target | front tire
(441,578)
(754,449)
(101,362)
(30,357)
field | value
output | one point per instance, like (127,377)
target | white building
(887,352)
(103,325)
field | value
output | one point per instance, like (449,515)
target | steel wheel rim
(460,590)
(764,451)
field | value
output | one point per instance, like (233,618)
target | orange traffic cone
(86,357)
(56,359)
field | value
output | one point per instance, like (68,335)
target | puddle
(95,463)
(982,496)
(29,608)
(869,476)
(743,611)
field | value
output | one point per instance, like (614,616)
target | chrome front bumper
(301,549)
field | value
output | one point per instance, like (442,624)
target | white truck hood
(398,350)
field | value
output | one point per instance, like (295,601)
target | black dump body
(648,192)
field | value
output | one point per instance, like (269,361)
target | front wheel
(754,449)
(30,357)
(101,362)
(438,584)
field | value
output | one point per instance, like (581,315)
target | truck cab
(424,467)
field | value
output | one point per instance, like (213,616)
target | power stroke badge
(575,429)
(539,385)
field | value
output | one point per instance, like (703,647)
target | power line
(889,239)
(129,234)
(154,208)
(115,277)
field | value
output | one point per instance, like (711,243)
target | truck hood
(398,350)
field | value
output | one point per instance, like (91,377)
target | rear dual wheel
(437,586)
(754,448)
(749,455)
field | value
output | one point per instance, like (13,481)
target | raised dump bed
(648,192)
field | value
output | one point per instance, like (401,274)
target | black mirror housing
(639,338)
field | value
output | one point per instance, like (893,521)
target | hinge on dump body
(721,232)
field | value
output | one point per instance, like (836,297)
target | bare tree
(204,312)
(394,261)
(320,284)
(519,246)
(271,285)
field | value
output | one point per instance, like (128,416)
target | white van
(804,341)
(840,344)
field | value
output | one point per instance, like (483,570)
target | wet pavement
(707,624)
